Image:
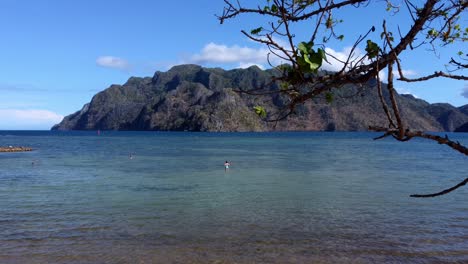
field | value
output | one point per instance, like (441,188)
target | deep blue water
(155,197)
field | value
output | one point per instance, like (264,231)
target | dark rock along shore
(14,149)
(193,98)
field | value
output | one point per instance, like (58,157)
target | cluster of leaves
(310,60)
(270,8)
(449,36)
(260,111)
(372,49)
(451,30)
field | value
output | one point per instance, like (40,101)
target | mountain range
(194,98)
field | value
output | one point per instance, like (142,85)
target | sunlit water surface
(149,197)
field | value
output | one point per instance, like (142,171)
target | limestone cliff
(193,98)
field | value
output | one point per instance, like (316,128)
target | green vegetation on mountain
(193,98)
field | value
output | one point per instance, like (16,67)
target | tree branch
(434,75)
(464,182)
(441,140)
(408,134)
(382,100)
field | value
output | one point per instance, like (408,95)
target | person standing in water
(226,166)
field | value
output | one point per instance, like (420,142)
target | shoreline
(15,149)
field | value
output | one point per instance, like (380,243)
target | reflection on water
(288,198)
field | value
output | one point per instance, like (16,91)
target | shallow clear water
(288,198)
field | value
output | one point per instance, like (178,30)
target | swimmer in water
(226,165)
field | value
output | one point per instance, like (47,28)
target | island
(195,98)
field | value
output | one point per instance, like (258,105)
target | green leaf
(284,86)
(256,31)
(432,32)
(314,60)
(303,48)
(260,111)
(329,97)
(303,65)
(372,49)
(310,61)
(274,8)
(322,54)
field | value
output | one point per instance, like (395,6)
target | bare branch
(462,183)
(230,11)
(408,134)
(434,75)
(383,103)
(458,64)
(383,136)
(325,9)
(390,87)
(441,140)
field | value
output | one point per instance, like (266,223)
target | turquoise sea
(156,197)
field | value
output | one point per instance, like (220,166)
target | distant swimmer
(226,165)
(130,156)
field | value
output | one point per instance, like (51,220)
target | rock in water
(14,149)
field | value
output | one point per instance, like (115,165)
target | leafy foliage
(372,49)
(433,23)
(260,111)
(309,59)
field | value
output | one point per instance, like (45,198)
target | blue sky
(55,55)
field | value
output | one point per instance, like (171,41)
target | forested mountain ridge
(193,98)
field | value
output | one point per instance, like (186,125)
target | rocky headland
(194,98)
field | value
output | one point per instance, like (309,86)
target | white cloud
(336,58)
(401,90)
(237,55)
(465,91)
(247,65)
(244,57)
(406,73)
(113,62)
(28,119)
